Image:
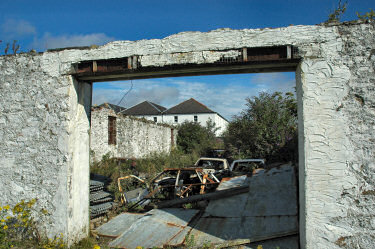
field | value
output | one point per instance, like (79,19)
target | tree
(267,128)
(192,137)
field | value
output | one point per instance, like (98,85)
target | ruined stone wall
(135,137)
(357,225)
(44,128)
(337,77)
(42,117)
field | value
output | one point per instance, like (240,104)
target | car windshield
(211,164)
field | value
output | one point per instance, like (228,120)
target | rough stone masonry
(44,124)
(135,137)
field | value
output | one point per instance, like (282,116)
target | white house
(189,110)
(147,110)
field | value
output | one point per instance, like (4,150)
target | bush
(19,230)
(267,128)
(194,138)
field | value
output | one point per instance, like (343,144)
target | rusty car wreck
(239,209)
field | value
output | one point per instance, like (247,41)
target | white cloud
(271,82)
(142,90)
(14,29)
(48,41)
(227,100)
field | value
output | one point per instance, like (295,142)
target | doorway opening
(165,92)
(230,97)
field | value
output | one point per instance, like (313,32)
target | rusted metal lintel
(268,53)
(192,70)
(103,66)
(260,59)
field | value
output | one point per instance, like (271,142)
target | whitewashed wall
(203,118)
(135,138)
(44,134)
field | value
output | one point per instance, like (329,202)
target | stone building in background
(125,136)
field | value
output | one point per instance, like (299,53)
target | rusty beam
(188,70)
(250,60)
(268,53)
(101,66)
(210,196)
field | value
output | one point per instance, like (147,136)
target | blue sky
(47,24)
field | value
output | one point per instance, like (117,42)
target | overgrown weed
(18,229)
(147,167)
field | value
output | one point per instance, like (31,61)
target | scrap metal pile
(245,210)
(100,200)
(177,186)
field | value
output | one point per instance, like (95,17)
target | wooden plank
(129,62)
(134,62)
(289,52)
(94,66)
(244,54)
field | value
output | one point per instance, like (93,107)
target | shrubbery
(19,230)
(267,128)
(195,138)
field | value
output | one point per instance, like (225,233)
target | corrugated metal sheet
(118,225)
(266,214)
(227,183)
(156,228)
(268,210)
(270,193)
(217,230)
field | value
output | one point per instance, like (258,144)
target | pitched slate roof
(188,107)
(145,108)
(116,108)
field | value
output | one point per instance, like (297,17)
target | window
(195,118)
(112,130)
(175,119)
(155,119)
